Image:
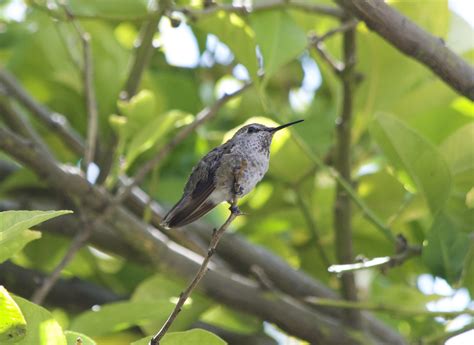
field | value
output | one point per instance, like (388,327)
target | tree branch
(77,243)
(159,251)
(89,90)
(342,204)
(16,121)
(54,121)
(413,41)
(263,6)
(403,253)
(143,53)
(234,213)
(441,338)
(391,309)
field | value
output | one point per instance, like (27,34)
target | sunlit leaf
(279,38)
(166,289)
(409,151)
(236,34)
(191,337)
(12,322)
(14,225)
(72,337)
(41,328)
(446,248)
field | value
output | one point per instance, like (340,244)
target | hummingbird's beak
(275,129)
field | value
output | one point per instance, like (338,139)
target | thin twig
(441,338)
(142,54)
(318,44)
(312,227)
(263,6)
(216,236)
(383,262)
(16,121)
(378,307)
(54,121)
(89,90)
(78,242)
(203,116)
(345,26)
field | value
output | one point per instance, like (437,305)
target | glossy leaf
(14,225)
(446,248)
(191,337)
(236,34)
(166,289)
(409,151)
(279,38)
(119,316)
(72,337)
(12,322)
(42,328)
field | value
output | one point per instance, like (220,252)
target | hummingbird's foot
(235,210)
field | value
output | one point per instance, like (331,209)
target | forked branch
(216,236)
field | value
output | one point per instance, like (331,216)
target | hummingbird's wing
(201,183)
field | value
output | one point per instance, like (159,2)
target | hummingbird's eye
(252,130)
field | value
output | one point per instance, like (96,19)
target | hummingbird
(226,173)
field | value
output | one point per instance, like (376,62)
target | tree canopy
(360,232)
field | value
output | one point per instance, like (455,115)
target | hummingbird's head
(259,130)
(258,134)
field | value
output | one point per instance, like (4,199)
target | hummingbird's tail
(185,212)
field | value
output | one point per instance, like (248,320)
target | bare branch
(143,53)
(16,121)
(264,6)
(54,121)
(403,253)
(441,338)
(342,203)
(305,210)
(89,90)
(234,213)
(391,309)
(78,242)
(413,41)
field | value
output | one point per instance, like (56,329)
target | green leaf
(446,248)
(42,328)
(119,316)
(458,151)
(71,338)
(280,39)
(12,322)
(236,34)
(468,271)
(192,337)
(14,225)
(168,292)
(109,7)
(232,320)
(152,133)
(410,152)
(139,110)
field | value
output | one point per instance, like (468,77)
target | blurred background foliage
(412,148)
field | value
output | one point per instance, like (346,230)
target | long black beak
(273,130)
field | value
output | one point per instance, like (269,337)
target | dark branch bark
(72,294)
(413,41)
(342,204)
(53,121)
